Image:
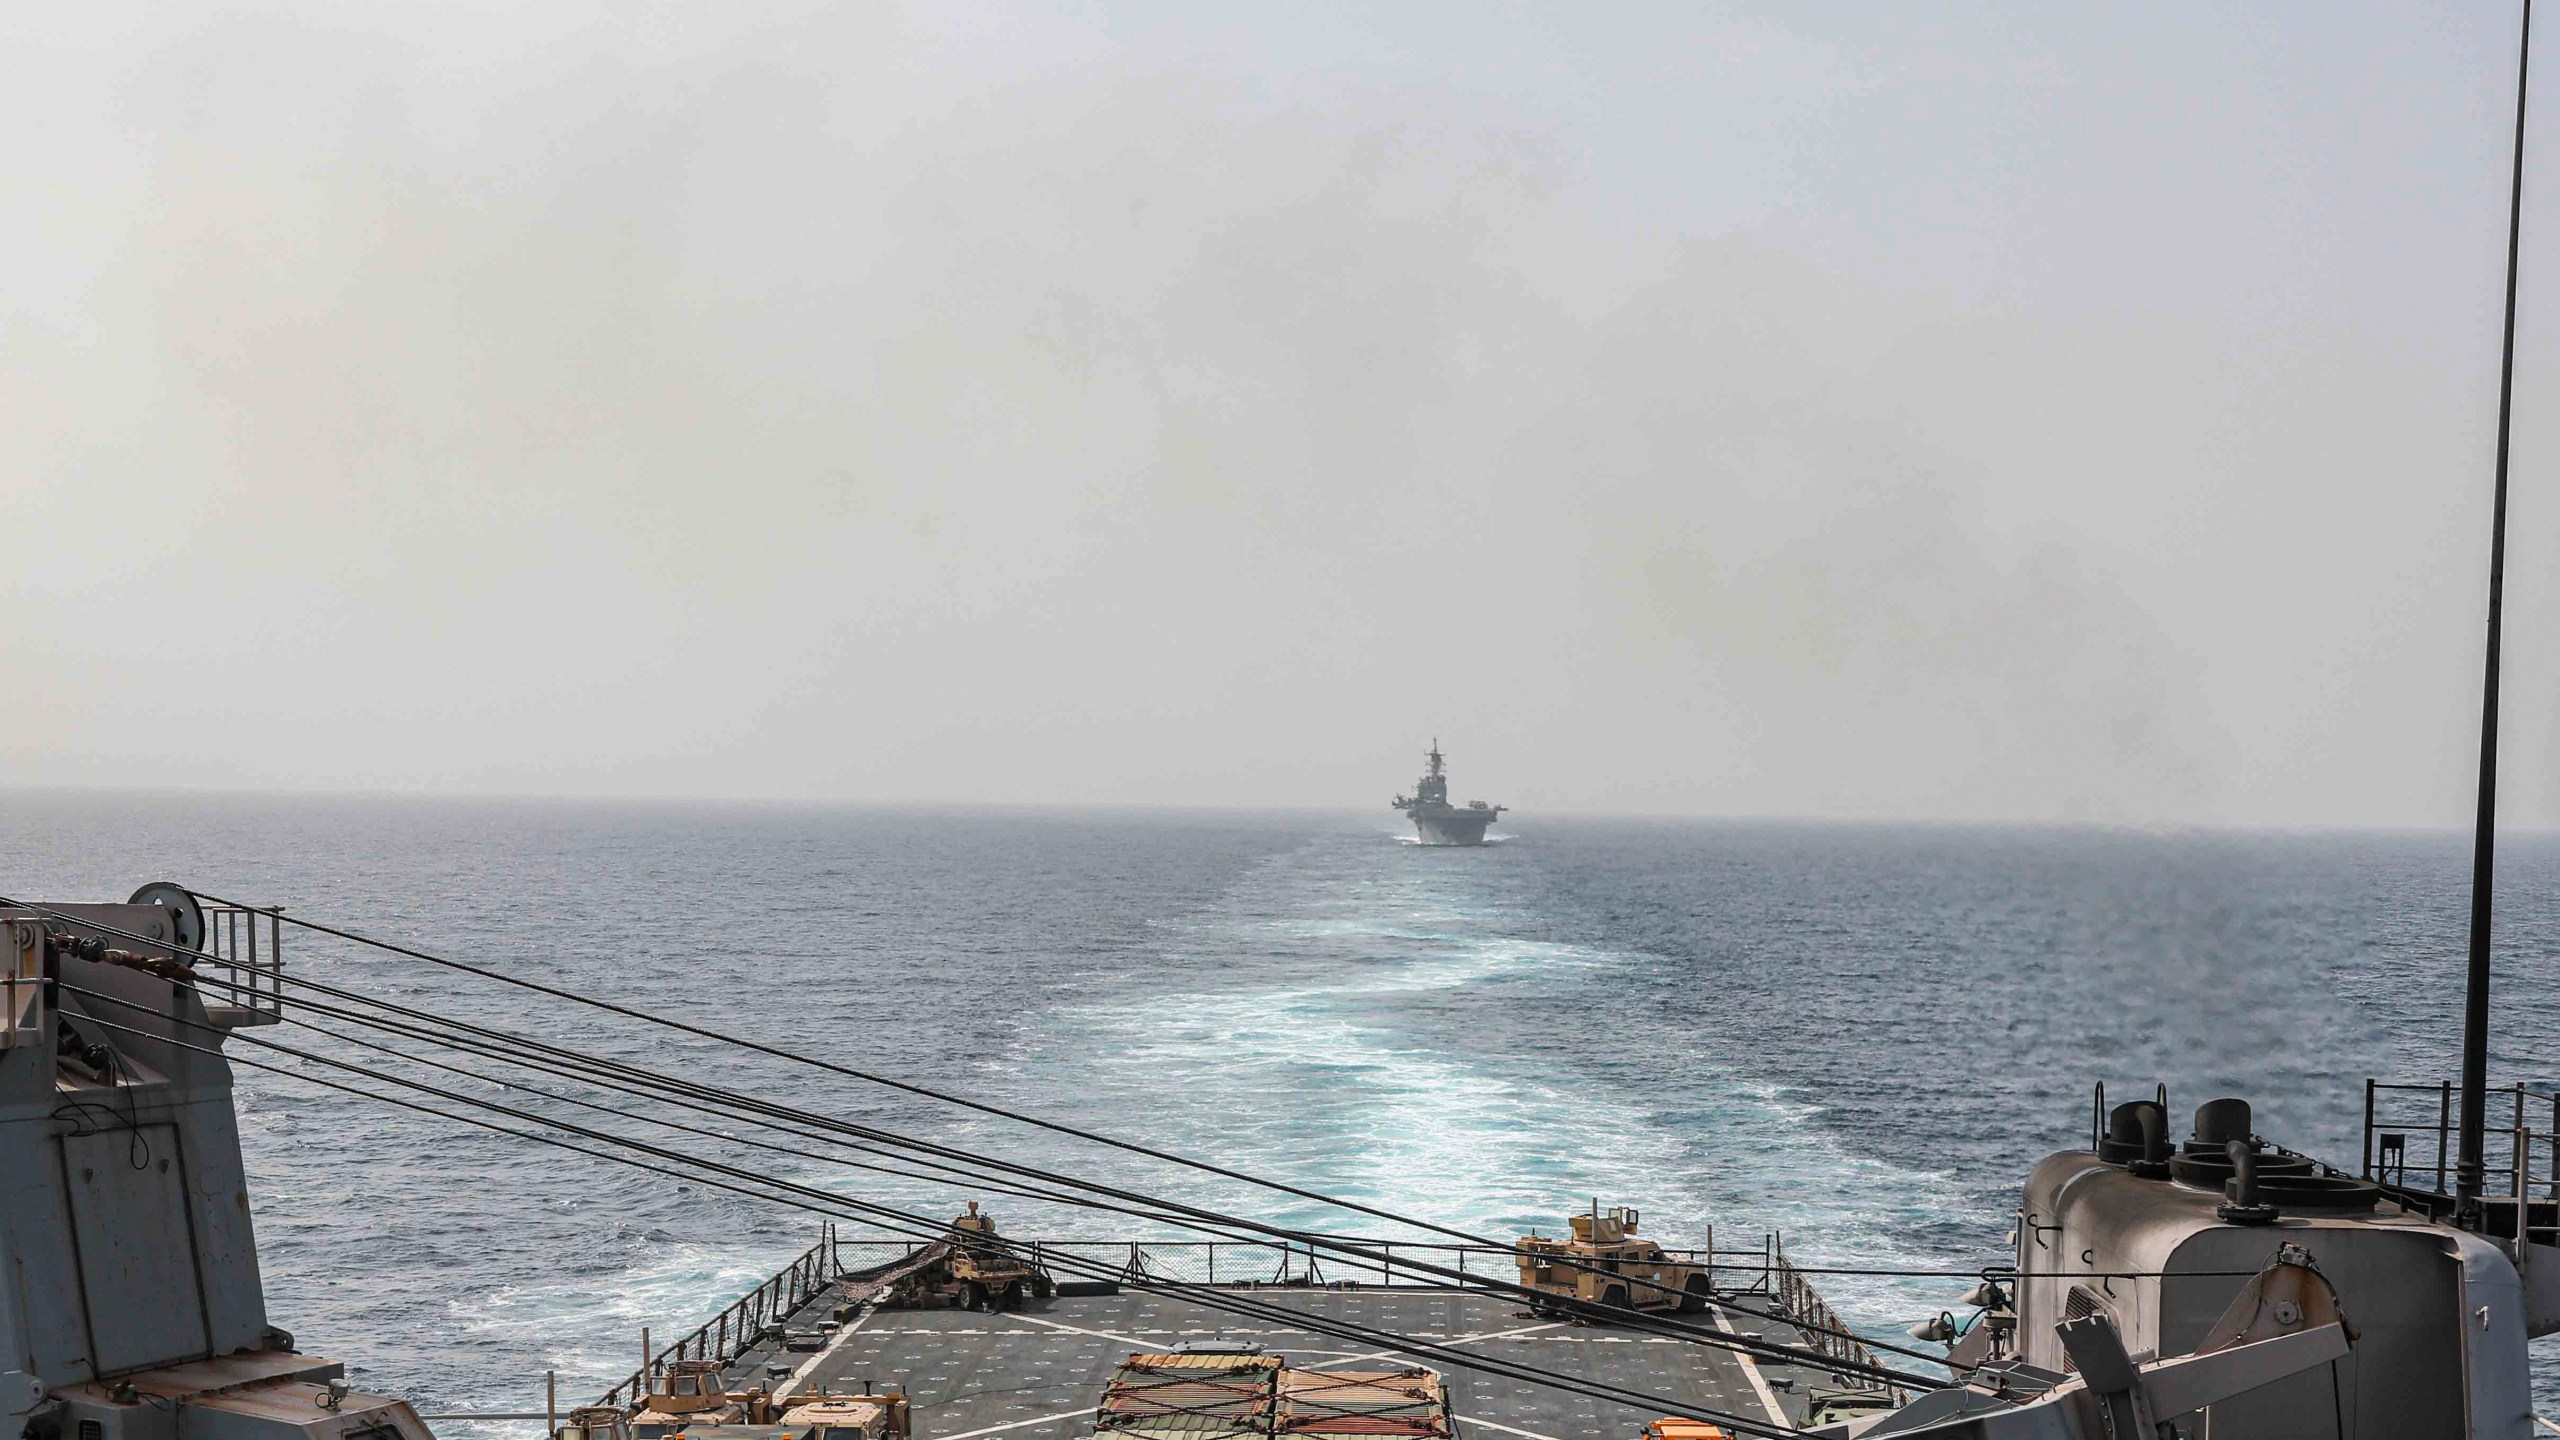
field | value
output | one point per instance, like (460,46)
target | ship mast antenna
(2469,1167)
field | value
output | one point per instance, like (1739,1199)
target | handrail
(250,943)
(2419,1174)
(1752,1271)
(2430,1089)
(1272,1262)
(1823,1330)
(725,1335)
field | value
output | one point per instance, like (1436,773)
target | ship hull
(1456,828)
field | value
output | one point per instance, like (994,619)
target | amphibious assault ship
(1437,821)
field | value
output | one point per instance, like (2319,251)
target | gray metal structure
(1437,821)
(131,1307)
(2163,1245)
(2117,1394)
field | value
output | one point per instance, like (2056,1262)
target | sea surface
(1858,1036)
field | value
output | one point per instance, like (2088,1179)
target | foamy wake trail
(1416,1056)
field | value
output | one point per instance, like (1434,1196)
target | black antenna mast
(2469,1167)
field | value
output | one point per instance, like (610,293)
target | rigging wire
(686,1095)
(570,1064)
(996,1186)
(899,1222)
(1751,1344)
(869,1077)
(677,1097)
(1057,1127)
(1350,1246)
(1344,1245)
(1774,1350)
(1624,1313)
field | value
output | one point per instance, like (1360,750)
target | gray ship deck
(1037,1373)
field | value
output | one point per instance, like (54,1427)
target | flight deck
(1037,1373)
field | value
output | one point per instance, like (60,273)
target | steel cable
(1342,1245)
(1057,1127)
(894,1221)
(1777,1351)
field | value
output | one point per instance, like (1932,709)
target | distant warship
(1436,820)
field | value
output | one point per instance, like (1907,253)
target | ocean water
(1860,1036)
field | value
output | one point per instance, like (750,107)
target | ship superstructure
(133,1307)
(1435,820)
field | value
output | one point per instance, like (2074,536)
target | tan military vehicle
(595,1422)
(970,1266)
(848,1417)
(688,1394)
(984,1272)
(1606,1263)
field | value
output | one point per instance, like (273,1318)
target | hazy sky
(1900,410)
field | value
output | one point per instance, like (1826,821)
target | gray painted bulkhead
(124,1211)
(131,1306)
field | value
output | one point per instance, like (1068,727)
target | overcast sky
(1898,410)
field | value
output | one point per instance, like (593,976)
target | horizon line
(1063,807)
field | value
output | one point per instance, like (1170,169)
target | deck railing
(722,1337)
(1274,1262)
(1824,1330)
(249,943)
(2412,1136)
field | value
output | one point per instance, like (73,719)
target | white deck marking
(1473,1421)
(1343,1358)
(1085,1412)
(1428,1337)
(1073,1330)
(1461,1340)
(802,1374)
(1751,1368)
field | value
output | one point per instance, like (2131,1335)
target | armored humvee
(1606,1264)
(984,1272)
(849,1417)
(970,1267)
(689,1394)
(595,1422)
